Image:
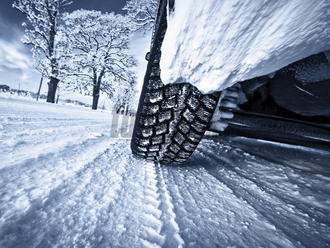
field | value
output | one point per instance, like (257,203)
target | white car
(257,69)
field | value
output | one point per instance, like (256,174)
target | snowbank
(213,44)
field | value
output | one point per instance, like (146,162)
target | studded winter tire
(171,123)
(171,119)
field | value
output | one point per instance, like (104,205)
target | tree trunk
(96,95)
(96,88)
(52,86)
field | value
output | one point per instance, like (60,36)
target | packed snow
(65,181)
(213,44)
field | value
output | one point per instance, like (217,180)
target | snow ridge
(171,228)
(152,213)
(281,196)
(47,174)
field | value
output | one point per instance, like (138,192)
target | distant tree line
(85,50)
(5,88)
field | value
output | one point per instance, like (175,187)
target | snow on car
(214,44)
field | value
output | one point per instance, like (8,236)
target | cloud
(13,56)
(16,64)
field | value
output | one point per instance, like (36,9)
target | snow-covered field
(66,182)
(213,44)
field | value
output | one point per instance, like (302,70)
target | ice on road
(65,182)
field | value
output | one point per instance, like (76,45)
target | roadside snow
(213,44)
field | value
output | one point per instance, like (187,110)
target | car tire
(171,119)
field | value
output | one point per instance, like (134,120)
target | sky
(16,68)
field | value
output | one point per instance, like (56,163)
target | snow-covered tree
(141,13)
(41,35)
(125,97)
(98,52)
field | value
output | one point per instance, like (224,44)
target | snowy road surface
(64,182)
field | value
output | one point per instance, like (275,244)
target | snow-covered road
(64,182)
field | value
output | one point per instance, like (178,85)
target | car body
(235,68)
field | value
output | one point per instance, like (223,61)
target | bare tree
(141,13)
(98,51)
(41,35)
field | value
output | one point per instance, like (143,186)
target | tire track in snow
(301,229)
(290,187)
(170,229)
(133,208)
(11,141)
(142,214)
(74,211)
(35,178)
(259,166)
(153,213)
(253,177)
(214,216)
(261,214)
(187,209)
(176,195)
(21,130)
(49,145)
(94,201)
(136,216)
